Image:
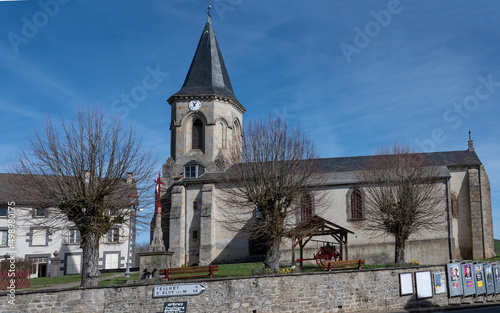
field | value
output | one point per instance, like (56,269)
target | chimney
(129,177)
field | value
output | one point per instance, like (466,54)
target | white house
(27,232)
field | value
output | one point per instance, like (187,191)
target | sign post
(479,278)
(454,272)
(177,290)
(488,273)
(175,307)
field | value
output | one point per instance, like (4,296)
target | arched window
(305,207)
(236,131)
(356,205)
(198,135)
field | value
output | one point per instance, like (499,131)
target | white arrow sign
(177,290)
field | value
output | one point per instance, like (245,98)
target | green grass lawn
(119,280)
(41,281)
(238,269)
(225,270)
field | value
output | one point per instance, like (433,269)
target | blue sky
(356,75)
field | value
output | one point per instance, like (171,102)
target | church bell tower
(206,122)
(206,116)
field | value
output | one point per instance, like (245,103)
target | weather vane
(209,7)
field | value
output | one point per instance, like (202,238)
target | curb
(436,309)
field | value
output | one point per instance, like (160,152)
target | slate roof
(448,158)
(207,74)
(15,188)
(10,190)
(343,170)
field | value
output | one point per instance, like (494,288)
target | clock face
(195,105)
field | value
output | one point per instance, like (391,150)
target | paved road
(486,308)
(495,309)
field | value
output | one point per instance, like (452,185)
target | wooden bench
(187,272)
(337,265)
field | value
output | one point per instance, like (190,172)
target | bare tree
(274,167)
(403,196)
(90,172)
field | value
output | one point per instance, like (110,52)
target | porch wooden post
(341,250)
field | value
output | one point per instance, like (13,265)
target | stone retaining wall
(346,291)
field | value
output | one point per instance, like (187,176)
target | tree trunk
(399,252)
(90,260)
(272,259)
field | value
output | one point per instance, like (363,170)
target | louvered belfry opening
(198,136)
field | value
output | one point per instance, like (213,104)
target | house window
(195,234)
(305,207)
(3,237)
(40,212)
(39,237)
(193,171)
(356,205)
(113,212)
(114,235)
(190,171)
(197,135)
(195,205)
(256,213)
(3,210)
(74,236)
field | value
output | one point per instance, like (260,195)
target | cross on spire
(209,7)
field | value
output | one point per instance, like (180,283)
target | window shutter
(121,239)
(65,236)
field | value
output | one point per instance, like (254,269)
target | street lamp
(133,199)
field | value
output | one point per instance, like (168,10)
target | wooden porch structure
(318,226)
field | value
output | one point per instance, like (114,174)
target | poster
(468,275)
(497,276)
(439,283)
(479,276)
(488,279)
(455,275)
(405,284)
(424,284)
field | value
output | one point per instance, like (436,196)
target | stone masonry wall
(475,209)
(346,291)
(489,242)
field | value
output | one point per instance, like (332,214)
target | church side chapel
(207,120)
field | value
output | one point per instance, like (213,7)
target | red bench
(188,272)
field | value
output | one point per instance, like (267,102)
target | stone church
(206,118)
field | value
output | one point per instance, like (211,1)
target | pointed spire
(471,143)
(207,74)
